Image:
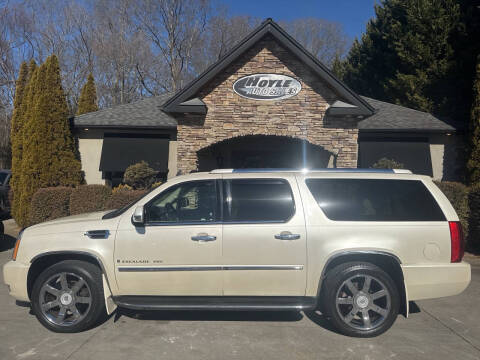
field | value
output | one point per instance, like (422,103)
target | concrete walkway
(442,329)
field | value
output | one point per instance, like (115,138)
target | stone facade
(302,116)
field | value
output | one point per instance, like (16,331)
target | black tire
(93,311)
(366,322)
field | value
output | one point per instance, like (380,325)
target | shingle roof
(146,113)
(391,117)
(143,113)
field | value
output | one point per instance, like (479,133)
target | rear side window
(375,200)
(258,200)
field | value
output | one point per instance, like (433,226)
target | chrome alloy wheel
(363,302)
(65,299)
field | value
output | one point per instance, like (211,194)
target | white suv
(356,244)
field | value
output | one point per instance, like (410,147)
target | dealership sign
(267,87)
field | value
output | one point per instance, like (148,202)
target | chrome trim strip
(168,268)
(263,267)
(208,268)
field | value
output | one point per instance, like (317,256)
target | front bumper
(15,276)
(434,281)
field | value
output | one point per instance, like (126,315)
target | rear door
(264,238)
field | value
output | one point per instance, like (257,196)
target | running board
(232,303)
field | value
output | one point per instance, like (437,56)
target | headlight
(17,245)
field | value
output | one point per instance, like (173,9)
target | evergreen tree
(49,151)
(408,56)
(88,97)
(338,67)
(20,213)
(473,164)
(16,137)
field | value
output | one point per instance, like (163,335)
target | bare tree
(174,28)
(324,39)
(222,34)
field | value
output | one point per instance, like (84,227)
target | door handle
(204,237)
(287,235)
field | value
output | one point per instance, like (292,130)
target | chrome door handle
(204,237)
(97,234)
(287,235)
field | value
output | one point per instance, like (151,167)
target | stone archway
(264,151)
(340,143)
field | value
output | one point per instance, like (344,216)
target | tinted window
(258,200)
(375,200)
(194,201)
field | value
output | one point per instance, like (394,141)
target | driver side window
(194,201)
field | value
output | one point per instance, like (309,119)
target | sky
(352,14)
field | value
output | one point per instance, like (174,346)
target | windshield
(3,176)
(120,211)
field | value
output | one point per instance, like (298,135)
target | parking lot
(437,329)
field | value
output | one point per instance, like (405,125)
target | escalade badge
(267,87)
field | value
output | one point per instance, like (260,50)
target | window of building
(194,201)
(3,176)
(258,200)
(375,200)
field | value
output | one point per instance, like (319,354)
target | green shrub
(50,203)
(123,197)
(474,219)
(457,194)
(139,176)
(385,163)
(89,198)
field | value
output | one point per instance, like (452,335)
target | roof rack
(333,170)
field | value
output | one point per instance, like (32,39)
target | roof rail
(333,170)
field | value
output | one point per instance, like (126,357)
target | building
(267,103)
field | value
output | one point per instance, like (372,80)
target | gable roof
(145,113)
(272,28)
(391,117)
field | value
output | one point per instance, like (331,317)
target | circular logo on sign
(267,87)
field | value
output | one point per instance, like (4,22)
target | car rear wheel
(361,299)
(68,296)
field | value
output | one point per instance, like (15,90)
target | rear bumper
(434,281)
(15,276)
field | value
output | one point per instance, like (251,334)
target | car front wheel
(68,296)
(361,299)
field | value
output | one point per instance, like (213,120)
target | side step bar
(232,303)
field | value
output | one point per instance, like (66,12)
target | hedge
(50,203)
(474,230)
(89,198)
(457,194)
(123,197)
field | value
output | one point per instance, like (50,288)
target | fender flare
(366,252)
(107,289)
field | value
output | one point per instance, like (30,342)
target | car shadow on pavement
(246,316)
(273,316)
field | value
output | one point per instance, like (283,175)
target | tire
(360,312)
(64,287)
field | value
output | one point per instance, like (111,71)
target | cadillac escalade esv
(357,245)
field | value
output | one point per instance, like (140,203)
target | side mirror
(138,217)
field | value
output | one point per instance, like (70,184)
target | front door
(179,250)
(264,238)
